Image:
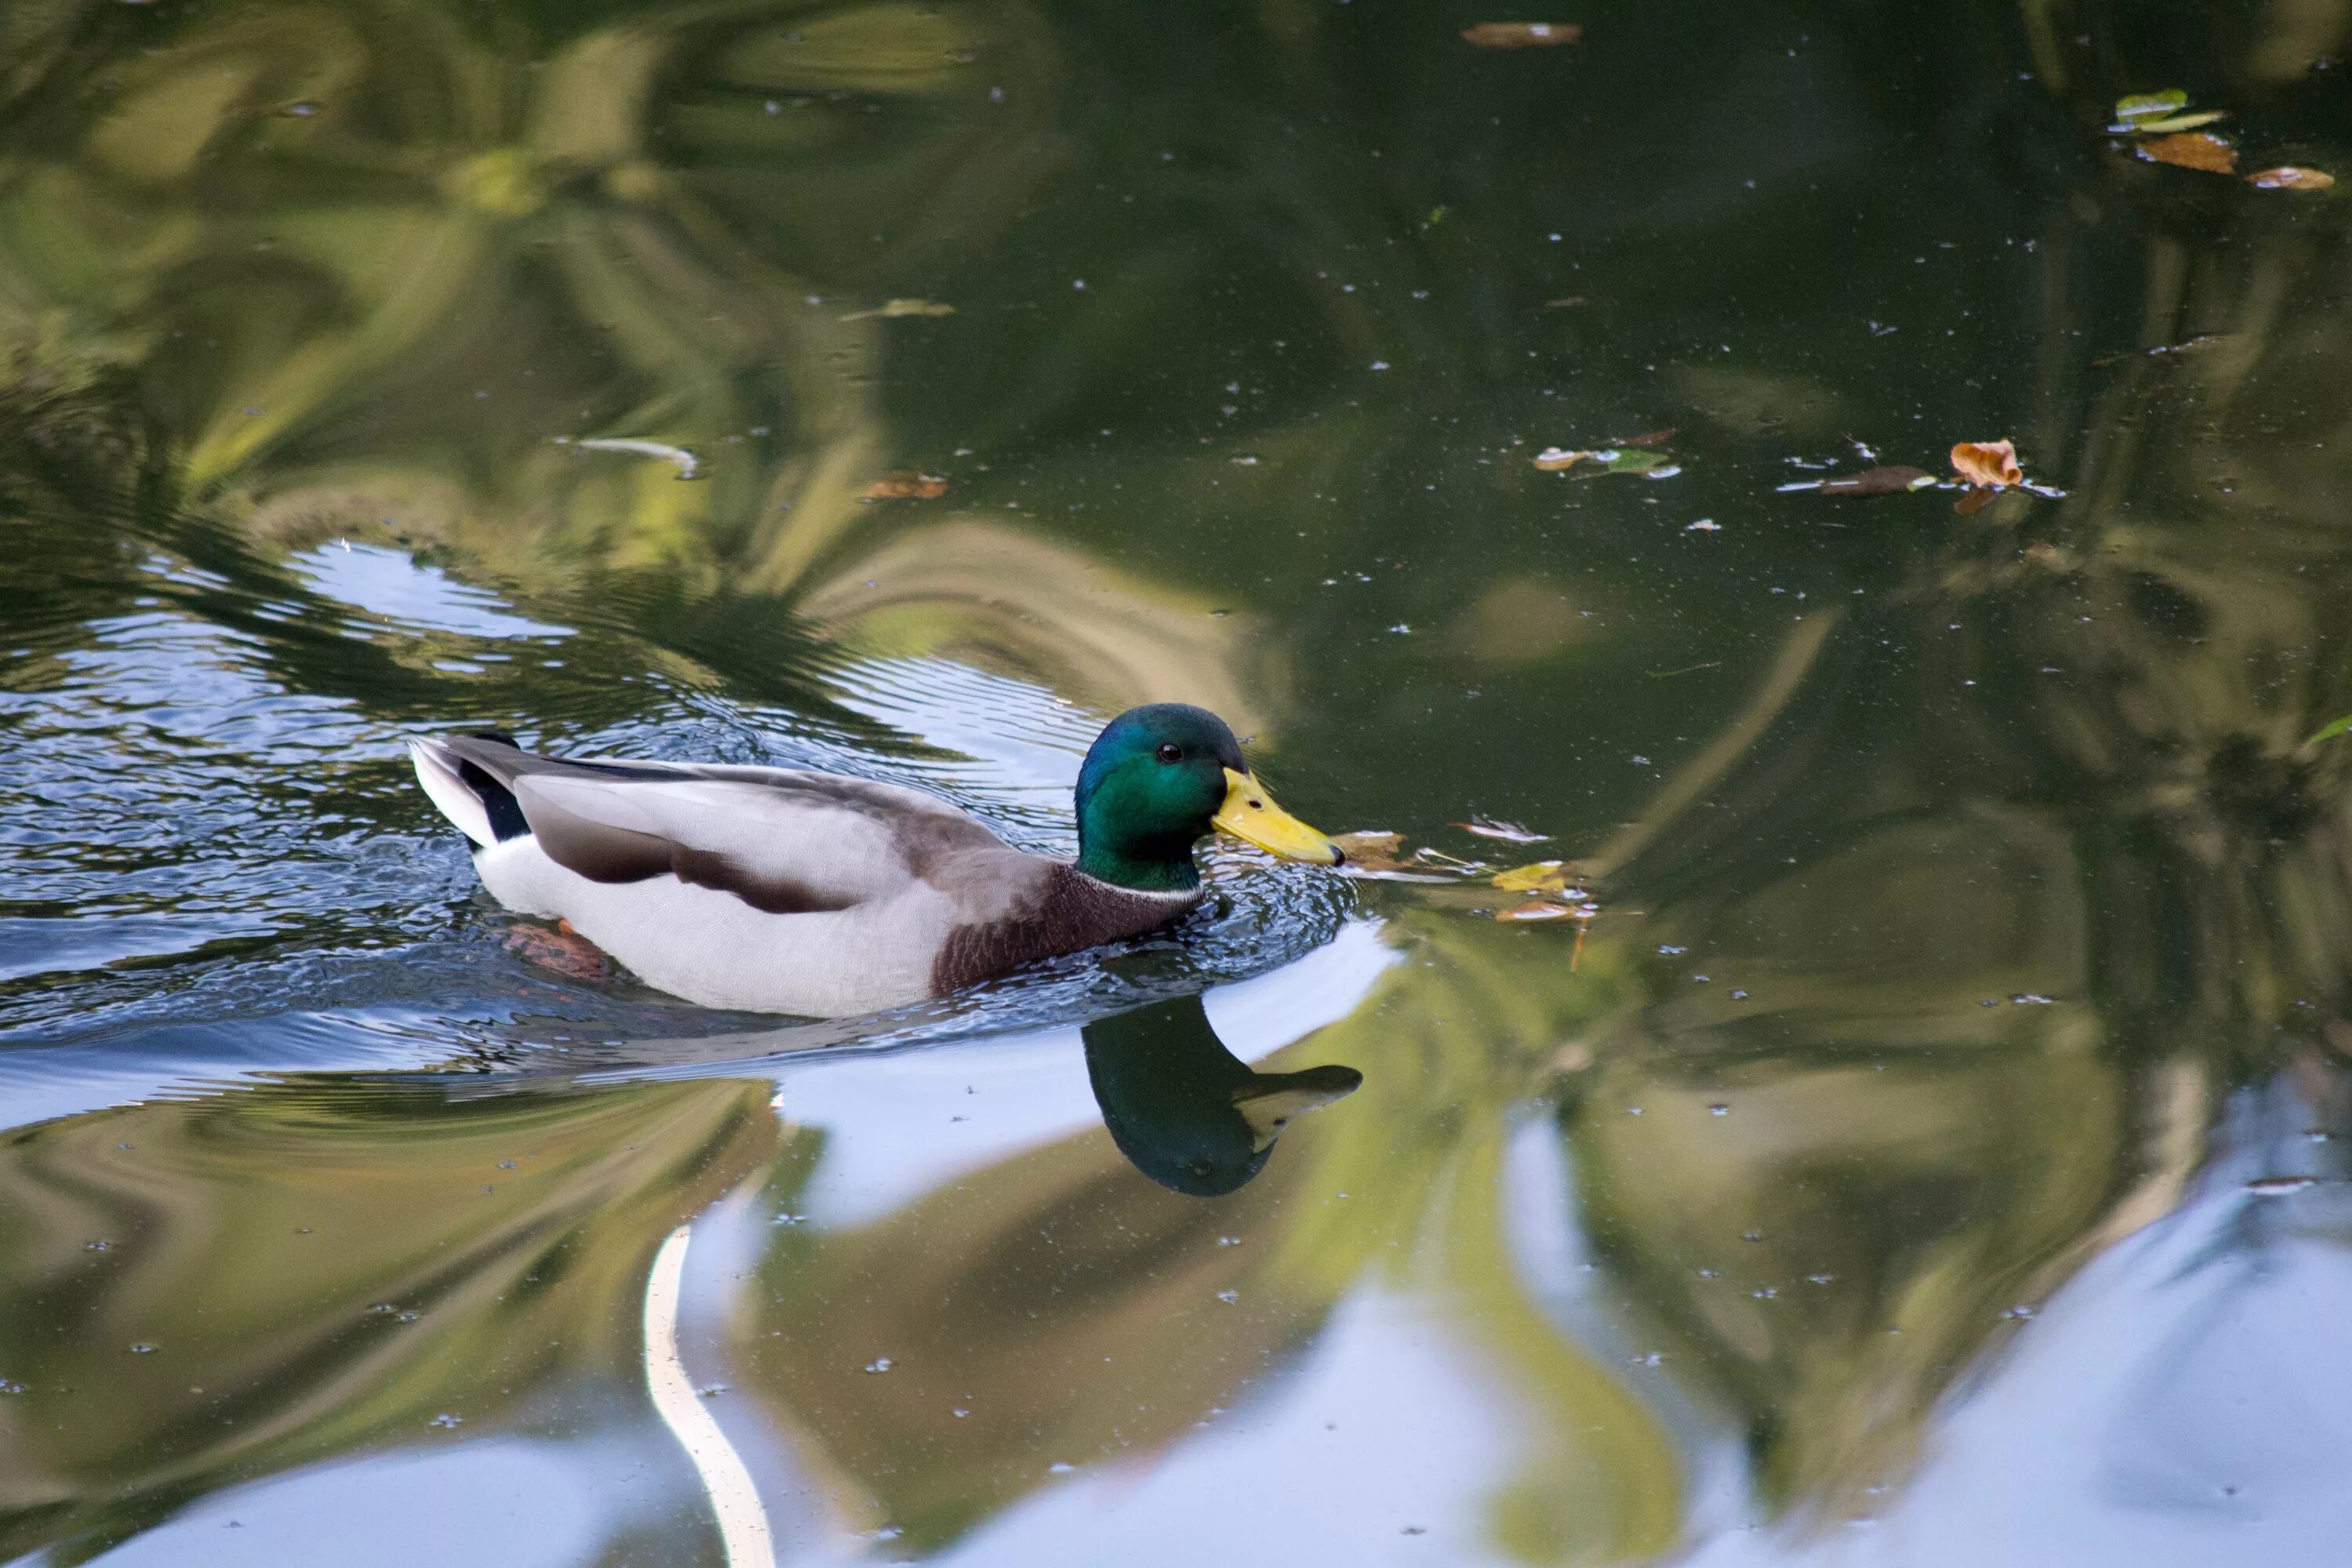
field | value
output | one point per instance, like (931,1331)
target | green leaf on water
(2337,727)
(2150,105)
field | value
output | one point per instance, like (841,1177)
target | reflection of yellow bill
(1249,812)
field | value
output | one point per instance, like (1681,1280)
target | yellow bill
(1249,812)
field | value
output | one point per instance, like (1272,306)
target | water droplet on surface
(959,1411)
(1765,1293)
(1229,1297)
(1229,1241)
(879,1364)
(1670,951)
(98,1247)
(143,1350)
(1718,1111)
(1751,1235)
(447,1419)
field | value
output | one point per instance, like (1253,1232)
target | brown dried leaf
(2287,177)
(1652,439)
(907,485)
(1521,35)
(1991,463)
(2192,150)
(1371,851)
(1895,478)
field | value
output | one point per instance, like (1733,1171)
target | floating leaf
(2339,727)
(896,308)
(1371,851)
(685,460)
(1607,460)
(1543,877)
(1535,909)
(2172,122)
(1895,478)
(2287,177)
(1992,463)
(1509,832)
(2192,150)
(906,486)
(1521,35)
(2150,105)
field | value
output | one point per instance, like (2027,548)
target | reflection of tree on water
(324,1267)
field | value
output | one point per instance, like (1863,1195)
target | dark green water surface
(1931,1154)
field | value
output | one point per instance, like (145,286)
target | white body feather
(715,949)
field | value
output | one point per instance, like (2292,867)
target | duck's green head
(1156,780)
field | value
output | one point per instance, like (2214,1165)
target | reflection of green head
(1185,1111)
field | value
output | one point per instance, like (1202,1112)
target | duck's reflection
(1186,1111)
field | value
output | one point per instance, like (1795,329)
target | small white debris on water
(1705,525)
(879,1364)
(686,462)
(2279,1186)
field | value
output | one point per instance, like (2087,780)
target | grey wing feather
(783,841)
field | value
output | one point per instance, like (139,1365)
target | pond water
(1918,1138)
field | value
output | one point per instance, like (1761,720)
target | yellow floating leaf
(2287,177)
(1521,35)
(2173,122)
(1543,877)
(2192,150)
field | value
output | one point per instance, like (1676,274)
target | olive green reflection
(198,1293)
(1185,1111)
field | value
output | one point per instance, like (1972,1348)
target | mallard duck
(775,890)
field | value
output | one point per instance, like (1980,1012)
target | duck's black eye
(1170,753)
